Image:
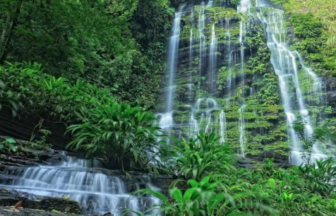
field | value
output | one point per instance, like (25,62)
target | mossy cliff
(253,83)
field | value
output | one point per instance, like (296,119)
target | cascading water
(241,130)
(285,65)
(98,190)
(201,38)
(243,8)
(166,120)
(222,122)
(214,70)
(213,60)
(229,57)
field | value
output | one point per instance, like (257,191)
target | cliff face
(224,82)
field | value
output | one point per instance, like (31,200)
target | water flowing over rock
(97,190)
(234,74)
(286,64)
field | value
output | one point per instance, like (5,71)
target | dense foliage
(263,190)
(92,55)
(98,41)
(111,130)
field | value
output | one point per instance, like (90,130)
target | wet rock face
(222,67)
(97,190)
(11,197)
(331,91)
(8,211)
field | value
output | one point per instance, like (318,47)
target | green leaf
(176,194)
(10,141)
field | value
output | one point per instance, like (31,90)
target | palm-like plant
(200,156)
(320,175)
(117,132)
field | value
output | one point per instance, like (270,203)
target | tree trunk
(3,37)
(8,28)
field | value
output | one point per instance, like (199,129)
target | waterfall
(242,130)
(201,37)
(209,4)
(166,120)
(229,57)
(191,42)
(98,190)
(211,105)
(285,65)
(222,123)
(210,52)
(213,60)
(242,53)
(243,8)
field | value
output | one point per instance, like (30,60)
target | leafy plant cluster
(197,157)
(119,134)
(27,89)
(8,145)
(263,190)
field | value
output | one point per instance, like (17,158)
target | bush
(117,132)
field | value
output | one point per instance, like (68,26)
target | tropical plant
(117,132)
(9,145)
(320,175)
(200,156)
(206,197)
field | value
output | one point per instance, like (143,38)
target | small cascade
(242,53)
(285,63)
(315,83)
(202,40)
(205,120)
(211,106)
(98,190)
(243,8)
(70,161)
(191,42)
(193,125)
(229,57)
(222,123)
(242,130)
(213,60)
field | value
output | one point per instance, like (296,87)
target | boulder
(30,201)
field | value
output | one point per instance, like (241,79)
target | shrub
(117,132)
